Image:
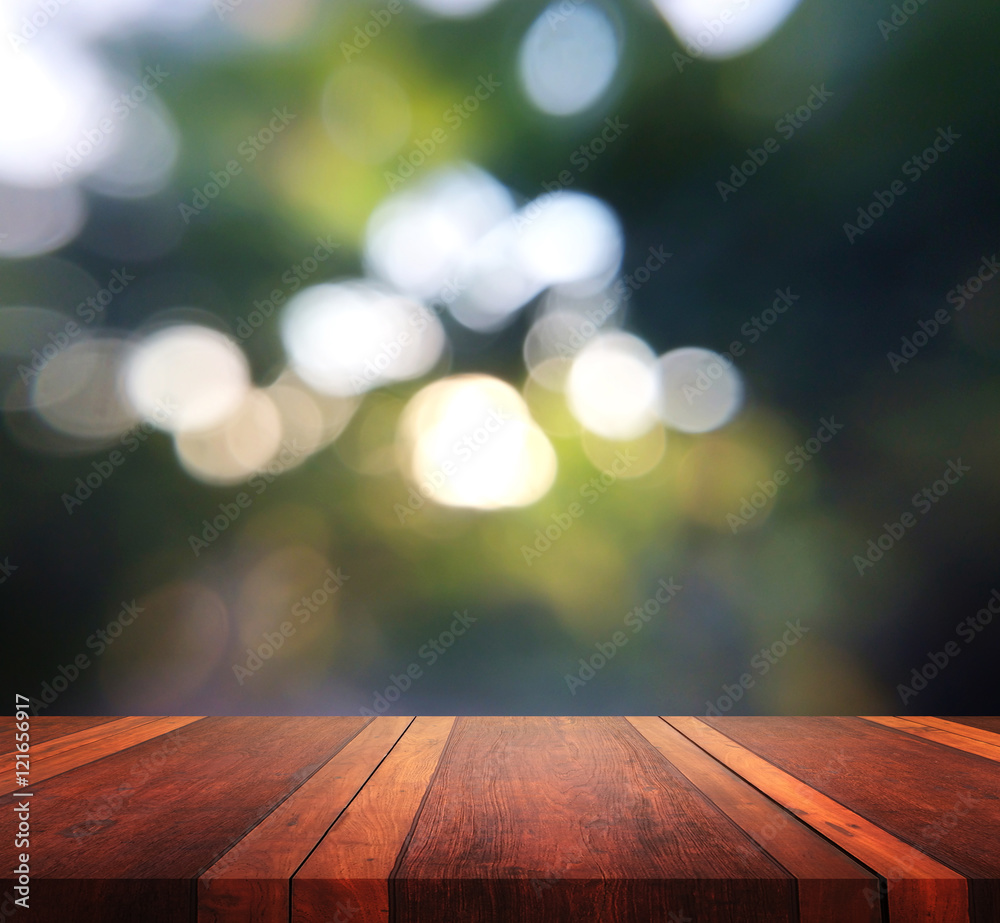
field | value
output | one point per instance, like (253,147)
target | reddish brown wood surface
(253,879)
(122,839)
(399,820)
(349,872)
(60,726)
(831,887)
(984,723)
(589,809)
(64,753)
(916,886)
(941,732)
(83,736)
(951,809)
(41,732)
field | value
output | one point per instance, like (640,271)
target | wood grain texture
(577,819)
(62,754)
(399,820)
(918,888)
(253,880)
(45,728)
(88,735)
(916,728)
(348,873)
(951,808)
(124,838)
(983,722)
(965,730)
(831,887)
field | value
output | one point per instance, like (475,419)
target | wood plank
(940,800)
(916,728)
(44,729)
(347,875)
(918,888)
(983,722)
(577,819)
(84,736)
(554,819)
(49,727)
(253,880)
(982,730)
(39,752)
(831,886)
(58,761)
(124,838)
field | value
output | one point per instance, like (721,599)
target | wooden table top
(404,820)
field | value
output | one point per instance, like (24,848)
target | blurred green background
(340,547)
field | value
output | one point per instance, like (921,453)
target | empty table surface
(713,820)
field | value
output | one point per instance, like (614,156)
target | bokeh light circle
(566,237)
(186,377)
(721,29)
(568,59)
(469,441)
(612,387)
(347,338)
(77,392)
(699,390)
